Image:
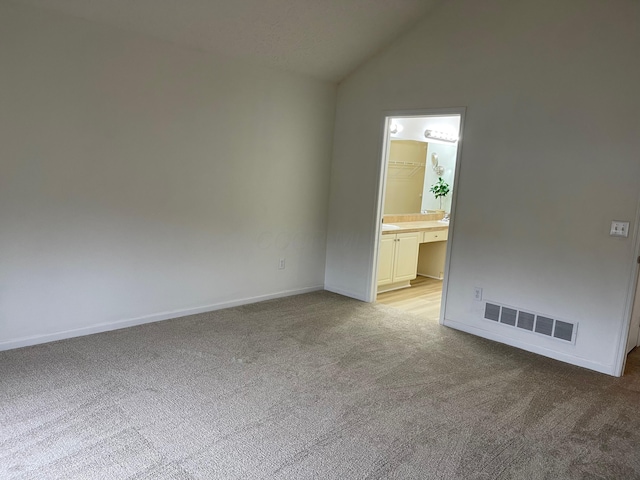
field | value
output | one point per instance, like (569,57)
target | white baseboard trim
(545,352)
(429,276)
(345,293)
(393,289)
(156,317)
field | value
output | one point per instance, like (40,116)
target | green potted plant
(440,189)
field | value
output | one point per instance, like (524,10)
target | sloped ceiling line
(325,39)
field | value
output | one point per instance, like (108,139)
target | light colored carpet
(313,386)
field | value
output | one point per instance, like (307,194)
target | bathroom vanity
(414,245)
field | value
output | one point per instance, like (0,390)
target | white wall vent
(533,322)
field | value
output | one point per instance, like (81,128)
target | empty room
(193,223)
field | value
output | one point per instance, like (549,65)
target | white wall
(549,158)
(139,180)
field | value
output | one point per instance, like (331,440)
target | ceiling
(326,39)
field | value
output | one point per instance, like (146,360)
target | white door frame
(631,291)
(635,309)
(382,180)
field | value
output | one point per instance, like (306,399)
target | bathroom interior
(418,191)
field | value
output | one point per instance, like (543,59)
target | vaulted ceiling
(326,39)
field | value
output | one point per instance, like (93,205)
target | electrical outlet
(281,264)
(619,229)
(477,294)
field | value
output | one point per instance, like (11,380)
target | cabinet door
(406,259)
(385,259)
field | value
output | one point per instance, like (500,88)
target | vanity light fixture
(444,136)
(395,128)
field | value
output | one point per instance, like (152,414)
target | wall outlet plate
(477,294)
(619,229)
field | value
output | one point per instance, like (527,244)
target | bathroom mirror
(415,161)
(413,167)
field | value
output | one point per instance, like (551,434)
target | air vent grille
(525,320)
(544,325)
(508,316)
(532,322)
(492,312)
(563,331)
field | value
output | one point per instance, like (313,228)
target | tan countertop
(422,226)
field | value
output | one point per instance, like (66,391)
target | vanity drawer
(437,236)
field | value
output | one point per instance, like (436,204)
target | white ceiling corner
(325,39)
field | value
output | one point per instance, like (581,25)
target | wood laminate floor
(422,298)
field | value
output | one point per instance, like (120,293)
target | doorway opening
(418,185)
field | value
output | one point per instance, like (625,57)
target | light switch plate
(619,229)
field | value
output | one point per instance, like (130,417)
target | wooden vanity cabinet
(398,259)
